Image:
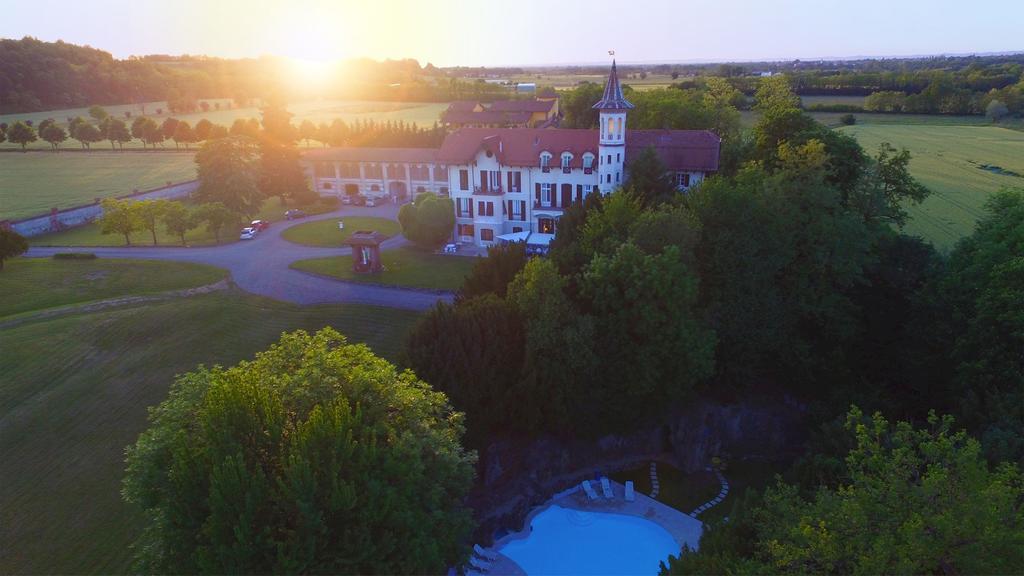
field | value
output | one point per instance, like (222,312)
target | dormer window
(566,162)
(545,161)
(588,163)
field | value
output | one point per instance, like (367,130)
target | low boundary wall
(57,220)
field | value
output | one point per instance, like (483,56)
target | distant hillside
(37,76)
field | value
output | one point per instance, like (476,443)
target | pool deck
(684,528)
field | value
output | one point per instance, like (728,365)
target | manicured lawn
(684,492)
(947,159)
(327,233)
(34,182)
(403,267)
(74,392)
(38,283)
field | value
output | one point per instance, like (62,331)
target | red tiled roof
(382,155)
(462,106)
(677,149)
(518,146)
(522,105)
(486,117)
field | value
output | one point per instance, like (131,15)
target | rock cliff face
(515,475)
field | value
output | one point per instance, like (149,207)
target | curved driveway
(261,265)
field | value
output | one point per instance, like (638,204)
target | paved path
(261,265)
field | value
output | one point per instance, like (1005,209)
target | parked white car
(247,234)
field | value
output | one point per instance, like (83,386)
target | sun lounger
(607,488)
(484,553)
(481,565)
(630,496)
(589,490)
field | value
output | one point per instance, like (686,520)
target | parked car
(293,214)
(358,200)
(346,199)
(259,225)
(371,202)
(247,234)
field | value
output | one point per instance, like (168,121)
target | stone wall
(515,476)
(57,220)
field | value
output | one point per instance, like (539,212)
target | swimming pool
(566,541)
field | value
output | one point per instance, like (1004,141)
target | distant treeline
(37,75)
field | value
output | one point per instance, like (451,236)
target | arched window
(588,162)
(545,161)
(618,128)
(611,128)
(566,160)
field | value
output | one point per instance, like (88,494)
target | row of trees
(126,217)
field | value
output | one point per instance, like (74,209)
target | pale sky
(524,32)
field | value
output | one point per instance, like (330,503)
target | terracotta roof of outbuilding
(517,146)
(486,117)
(678,149)
(522,105)
(382,155)
(613,98)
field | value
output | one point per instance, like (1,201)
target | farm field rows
(423,114)
(35,182)
(948,160)
(75,393)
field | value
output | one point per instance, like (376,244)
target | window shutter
(522,213)
(537,191)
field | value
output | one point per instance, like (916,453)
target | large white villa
(514,183)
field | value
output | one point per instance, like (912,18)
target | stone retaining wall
(57,220)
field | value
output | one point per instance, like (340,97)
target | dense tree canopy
(315,457)
(428,220)
(228,173)
(11,244)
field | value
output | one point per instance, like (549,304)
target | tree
(996,110)
(147,130)
(886,188)
(87,134)
(428,220)
(217,216)
(150,213)
(202,130)
(281,174)
(308,131)
(54,135)
(491,275)
(653,348)
(218,131)
(183,134)
(229,173)
(115,130)
(312,458)
(119,217)
(21,133)
(168,127)
(649,179)
(98,113)
(3,134)
(178,220)
(11,244)
(914,501)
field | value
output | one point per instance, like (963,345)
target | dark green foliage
(649,179)
(281,175)
(217,217)
(473,352)
(847,119)
(21,133)
(653,349)
(74,256)
(316,457)
(913,501)
(229,173)
(578,105)
(428,221)
(885,188)
(11,244)
(491,275)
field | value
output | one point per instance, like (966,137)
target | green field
(33,183)
(422,113)
(327,233)
(75,281)
(402,267)
(748,118)
(74,393)
(947,159)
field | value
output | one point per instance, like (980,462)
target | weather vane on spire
(611,52)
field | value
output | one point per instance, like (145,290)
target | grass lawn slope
(38,283)
(327,233)
(74,392)
(406,267)
(949,160)
(35,182)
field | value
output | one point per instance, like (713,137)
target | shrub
(847,119)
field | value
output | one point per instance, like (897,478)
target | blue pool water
(565,541)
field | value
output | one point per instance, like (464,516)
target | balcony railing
(566,170)
(588,170)
(545,206)
(545,169)
(490,191)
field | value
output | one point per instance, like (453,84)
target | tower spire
(613,98)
